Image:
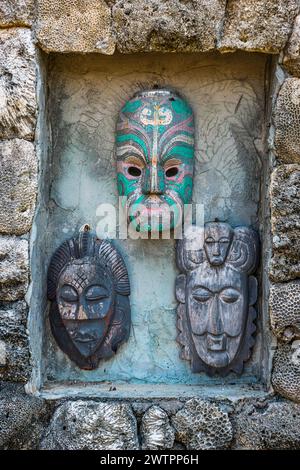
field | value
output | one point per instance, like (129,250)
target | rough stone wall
(285,222)
(28,422)
(129,26)
(18,182)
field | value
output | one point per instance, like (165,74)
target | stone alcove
(58,69)
(229,96)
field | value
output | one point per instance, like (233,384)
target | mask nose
(154,180)
(216,249)
(81,314)
(215,324)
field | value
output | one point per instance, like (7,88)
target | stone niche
(229,96)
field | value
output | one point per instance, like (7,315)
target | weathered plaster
(85,96)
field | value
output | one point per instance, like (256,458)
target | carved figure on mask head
(155,158)
(216,294)
(88,287)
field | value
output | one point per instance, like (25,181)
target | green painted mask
(155,155)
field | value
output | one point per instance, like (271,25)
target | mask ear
(252,290)
(180,288)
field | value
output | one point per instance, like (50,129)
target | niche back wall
(85,95)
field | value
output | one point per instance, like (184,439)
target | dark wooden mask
(88,287)
(216,294)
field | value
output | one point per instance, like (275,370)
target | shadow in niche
(228,94)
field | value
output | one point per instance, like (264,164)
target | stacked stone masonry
(285,222)
(18,182)
(27,422)
(131,26)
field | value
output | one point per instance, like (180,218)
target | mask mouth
(80,337)
(216,259)
(154,217)
(84,338)
(216,343)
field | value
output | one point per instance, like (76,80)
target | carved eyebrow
(171,161)
(134,138)
(230,288)
(204,288)
(129,154)
(179,149)
(210,239)
(181,140)
(224,239)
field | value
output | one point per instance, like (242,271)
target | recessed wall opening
(80,97)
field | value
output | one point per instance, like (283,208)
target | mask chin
(216,352)
(154,218)
(86,336)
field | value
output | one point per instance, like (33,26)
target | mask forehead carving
(155,158)
(217,240)
(88,287)
(215,313)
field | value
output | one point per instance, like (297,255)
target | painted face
(217,307)
(217,240)
(155,158)
(85,298)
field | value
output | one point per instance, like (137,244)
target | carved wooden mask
(216,295)
(155,158)
(88,286)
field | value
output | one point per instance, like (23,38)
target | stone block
(13,268)
(90,425)
(291,60)
(22,418)
(14,341)
(258,25)
(286,370)
(156,430)
(18,186)
(74,26)
(177,26)
(284,305)
(287,122)
(267,426)
(16,12)
(285,220)
(201,425)
(18,104)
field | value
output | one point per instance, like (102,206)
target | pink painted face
(155,159)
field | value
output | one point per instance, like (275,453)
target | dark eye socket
(69,293)
(134,171)
(96,293)
(170,172)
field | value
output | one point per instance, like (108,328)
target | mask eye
(202,295)
(171,172)
(224,240)
(96,293)
(134,171)
(209,240)
(229,296)
(68,293)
